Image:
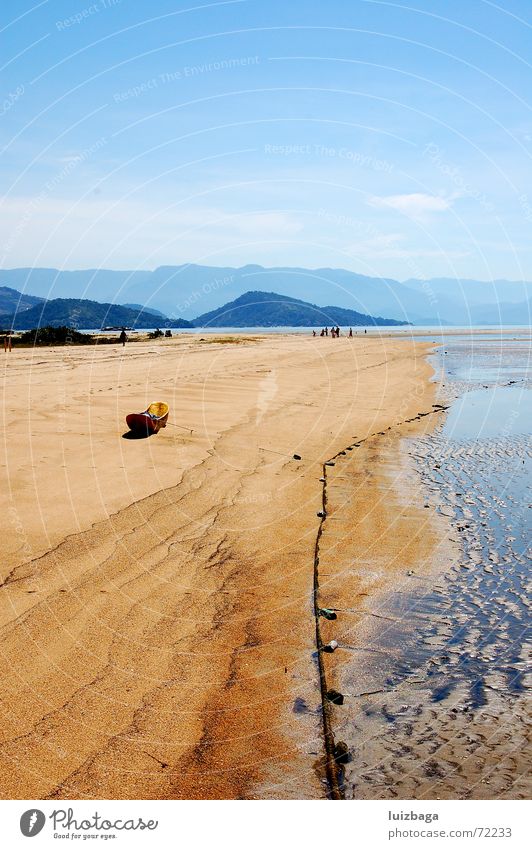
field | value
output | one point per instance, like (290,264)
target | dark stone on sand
(335,697)
(300,705)
(341,752)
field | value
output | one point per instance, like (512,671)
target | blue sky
(390,138)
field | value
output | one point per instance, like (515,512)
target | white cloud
(50,231)
(415,205)
(388,246)
(374,243)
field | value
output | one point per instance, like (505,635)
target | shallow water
(452,660)
(473,622)
(432,333)
(500,411)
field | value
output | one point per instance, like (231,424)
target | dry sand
(157,599)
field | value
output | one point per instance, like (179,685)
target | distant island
(268,309)
(85,314)
(252,309)
(257,308)
(13,301)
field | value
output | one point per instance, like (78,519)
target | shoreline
(442,712)
(337,751)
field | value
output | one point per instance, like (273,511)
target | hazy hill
(503,313)
(145,309)
(84,314)
(268,309)
(190,290)
(475,292)
(100,284)
(12,301)
(193,290)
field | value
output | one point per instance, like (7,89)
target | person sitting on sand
(123,338)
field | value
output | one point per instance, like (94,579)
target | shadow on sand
(137,434)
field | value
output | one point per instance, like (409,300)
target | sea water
(453,655)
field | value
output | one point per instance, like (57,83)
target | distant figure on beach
(322,332)
(326,331)
(337,332)
(7,343)
(333,332)
(313,332)
(365,331)
(123,338)
(350,332)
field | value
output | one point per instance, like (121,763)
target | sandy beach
(162,600)
(157,598)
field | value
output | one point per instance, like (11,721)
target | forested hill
(268,309)
(83,314)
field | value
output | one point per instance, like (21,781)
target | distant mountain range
(268,309)
(189,291)
(82,314)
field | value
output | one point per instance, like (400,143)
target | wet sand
(434,672)
(436,679)
(157,609)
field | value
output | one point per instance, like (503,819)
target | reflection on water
(496,412)
(449,668)
(472,624)
(494,361)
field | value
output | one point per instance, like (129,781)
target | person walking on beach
(123,338)
(7,343)
(350,332)
(337,332)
